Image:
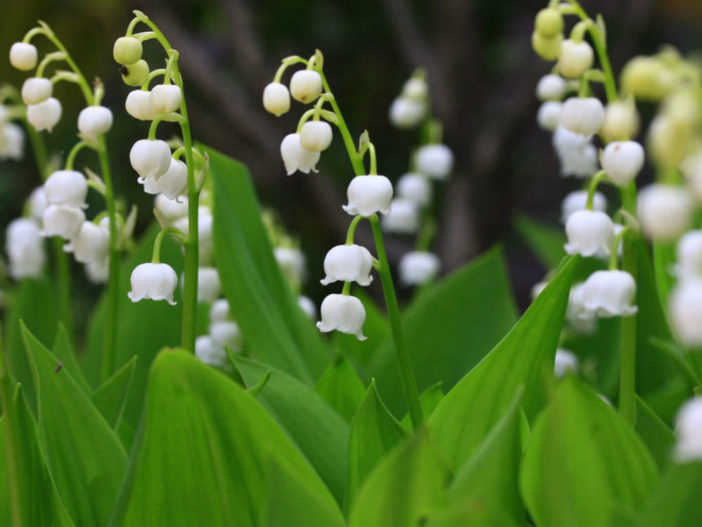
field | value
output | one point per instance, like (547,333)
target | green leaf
(429,399)
(319,432)
(654,432)
(374,433)
(676,500)
(546,242)
(275,328)
(63,351)
(475,513)
(341,387)
(450,327)
(85,458)
(111,397)
(208,454)
(523,358)
(583,464)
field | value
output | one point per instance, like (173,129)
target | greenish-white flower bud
(316,136)
(306,86)
(276,98)
(127,50)
(549,22)
(94,121)
(575,58)
(23,56)
(621,121)
(36,90)
(135,74)
(165,98)
(547,48)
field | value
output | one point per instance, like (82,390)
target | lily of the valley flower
(582,115)
(342,313)
(575,59)
(62,220)
(291,262)
(436,161)
(36,90)
(94,121)
(91,244)
(621,121)
(45,115)
(150,158)
(549,115)
(209,352)
(169,209)
(23,56)
(276,98)
(307,306)
(306,86)
(219,310)
(66,187)
(315,136)
(226,334)
(165,98)
(577,155)
(296,157)
(565,361)
(11,142)
(414,187)
(127,50)
(622,161)
(689,431)
(551,88)
(610,293)
(368,195)
(138,105)
(577,200)
(208,284)
(406,112)
(686,311)
(418,267)
(580,319)
(664,211)
(172,184)
(590,233)
(348,263)
(25,249)
(403,217)
(37,203)
(153,281)
(689,252)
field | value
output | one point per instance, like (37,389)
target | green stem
(70,160)
(14,473)
(596,180)
(352,229)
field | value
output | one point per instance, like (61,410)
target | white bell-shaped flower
(23,56)
(610,293)
(551,88)
(565,361)
(406,112)
(25,249)
(580,319)
(208,284)
(98,271)
(577,200)
(36,90)
(403,217)
(291,262)
(549,115)
(306,86)
(209,352)
(348,263)
(11,141)
(66,187)
(138,105)
(418,267)
(165,98)
(689,252)
(415,187)
(94,121)
(91,244)
(622,161)
(575,59)
(153,281)
(590,233)
(342,313)
(295,157)
(686,311)
(621,121)
(276,98)
(688,428)
(62,220)
(174,182)
(368,195)
(664,211)
(435,161)
(227,334)
(37,203)
(171,209)
(577,155)
(219,311)
(45,115)
(307,306)
(582,115)
(316,136)
(150,158)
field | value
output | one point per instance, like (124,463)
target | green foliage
(546,242)
(341,387)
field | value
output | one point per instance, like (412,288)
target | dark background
(482,75)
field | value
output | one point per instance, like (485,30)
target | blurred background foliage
(482,74)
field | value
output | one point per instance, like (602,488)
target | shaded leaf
(63,351)
(676,500)
(341,387)
(545,241)
(654,432)
(111,396)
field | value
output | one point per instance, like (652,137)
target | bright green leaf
(341,387)
(676,500)
(654,432)
(545,241)
(111,396)
(63,351)
(429,399)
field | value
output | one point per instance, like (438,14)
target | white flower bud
(575,59)
(150,158)
(291,262)
(307,306)
(154,281)
(415,88)
(590,233)
(435,161)
(315,136)
(551,88)
(11,141)
(127,50)
(306,86)
(415,187)
(578,157)
(688,428)
(689,252)
(171,209)
(342,313)
(204,231)
(209,352)
(36,90)
(66,187)
(37,203)
(226,334)
(402,218)
(580,319)
(407,113)
(93,121)
(664,211)
(25,249)
(165,98)
(98,272)
(138,105)
(418,267)
(368,195)
(23,56)
(686,311)
(208,284)
(219,311)
(91,244)
(622,161)
(276,98)
(45,115)
(582,115)
(549,115)
(565,362)
(610,293)
(577,200)
(621,121)
(62,220)
(348,263)
(295,157)
(174,182)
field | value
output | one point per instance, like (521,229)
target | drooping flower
(348,263)
(45,115)
(622,161)
(342,313)
(418,267)
(368,195)
(306,86)
(23,56)
(94,121)
(276,98)
(296,157)
(153,281)
(66,187)
(689,431)
(610,293)
(590,233)
(315,136)
(436,161)
(664,211)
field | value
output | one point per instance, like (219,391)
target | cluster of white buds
(11,137)
(223,334)
(410,108)
(576,153)
(25,249)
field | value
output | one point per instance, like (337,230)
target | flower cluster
(410,108)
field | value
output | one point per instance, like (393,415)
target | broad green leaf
(654,432)
(374,433)
(206,452)
(450,327)
(475,513)
(276,330)
(545,241)
(111,396)
(63,351)
(85,458)
(676,500)
(341,387)
(429,399)
(522,358)
(583,464)
(314,426)
(403,489)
